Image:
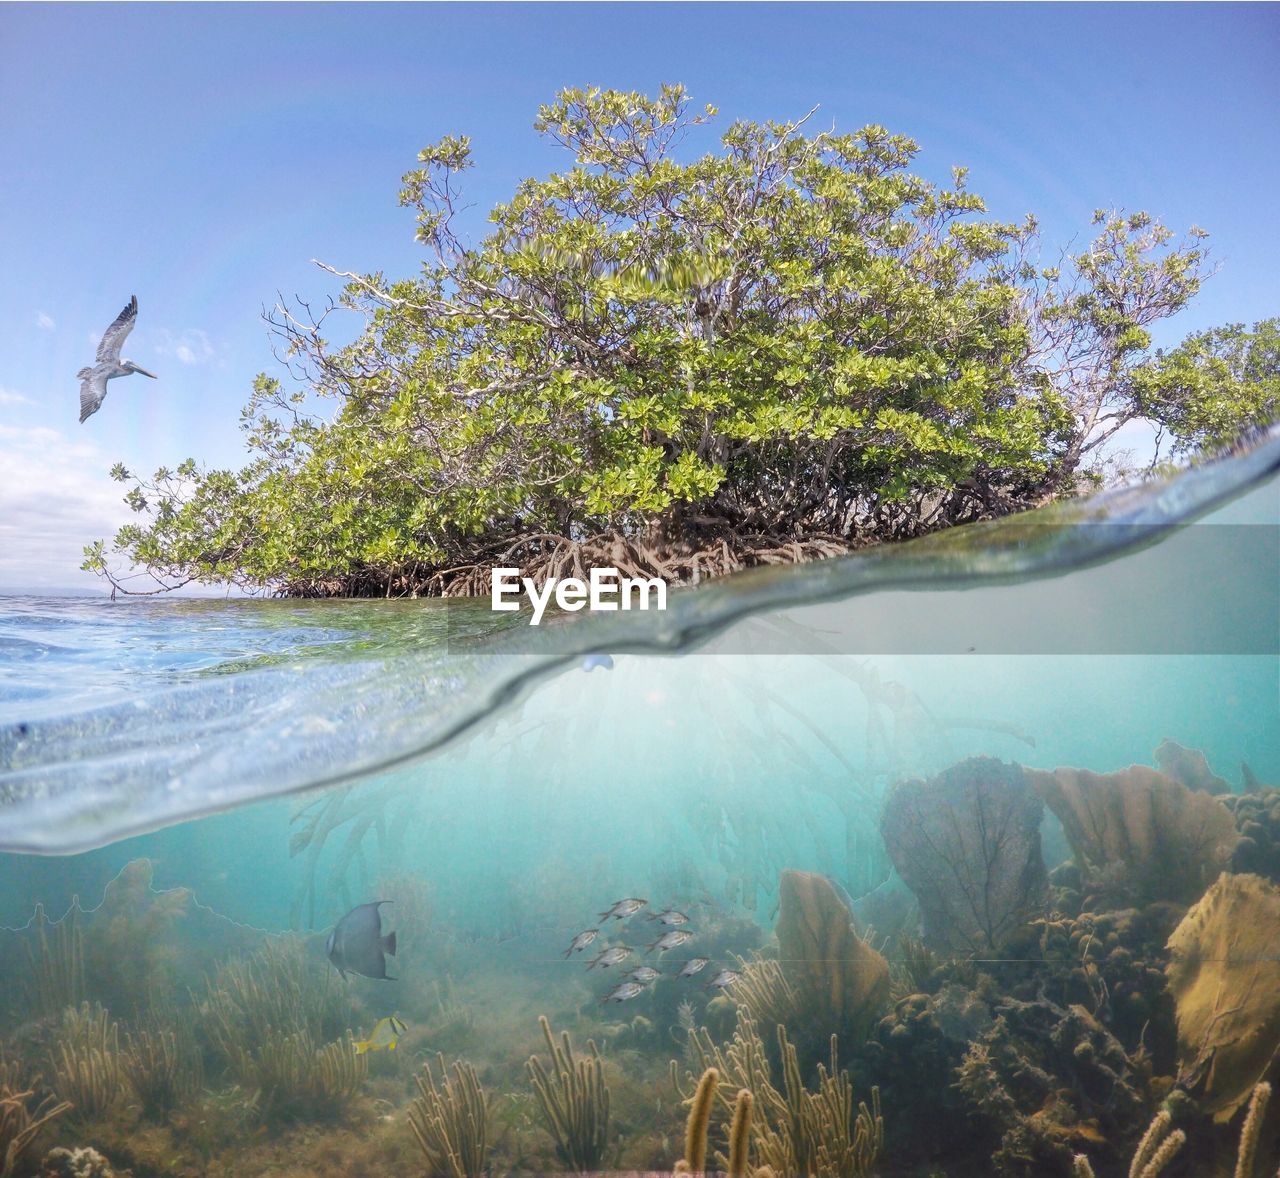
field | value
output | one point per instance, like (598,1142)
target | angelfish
(384,1036)
(357,945)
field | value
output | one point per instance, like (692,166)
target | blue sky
(199,156)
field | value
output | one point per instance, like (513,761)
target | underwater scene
(961,857)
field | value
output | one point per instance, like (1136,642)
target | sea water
(186,783)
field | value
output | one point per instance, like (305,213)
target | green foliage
(788,337)
(1214,387)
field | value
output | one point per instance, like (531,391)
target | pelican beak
(145,372)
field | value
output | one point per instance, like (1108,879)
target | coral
(295,1079)
(794,1131)
(130,950)
(78,1163)
(162,1070)
(449,1120)
(912,1056)
(86,1061)
(276,1024)
(1159,1145)
(1225,979)
(834,972)
(1139,832)
(55,975)
(574,1102)
(1050,1080)
(1257,818)
(740,1135)
(913,971)
(764,990)
(695,1134)
(1252,1130)
(1189,766)
(273,991)
(1112,963)
(450,1023)
(967,843)
(22,1116)
(828,980)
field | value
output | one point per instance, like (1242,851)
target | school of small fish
(643,976)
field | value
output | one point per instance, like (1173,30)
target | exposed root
(542,556)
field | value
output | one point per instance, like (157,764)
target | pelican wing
(93,391)
(113,338)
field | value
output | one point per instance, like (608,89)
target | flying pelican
(93,381)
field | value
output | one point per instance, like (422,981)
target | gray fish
(357,944)
(676,937)
(624,908)
(670,916)
(723,980)
(644,974)
(581,941)
(692,966)
(623,992)
(610,957)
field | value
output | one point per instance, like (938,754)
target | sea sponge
(1144,832)
(1225,977)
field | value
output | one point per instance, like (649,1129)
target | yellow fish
(384,1036)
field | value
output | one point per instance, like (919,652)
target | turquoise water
(502,795)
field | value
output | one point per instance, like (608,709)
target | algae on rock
(1049,1080)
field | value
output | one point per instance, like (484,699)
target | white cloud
(55,497)
(9,397)
(45,322)
(191,346)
